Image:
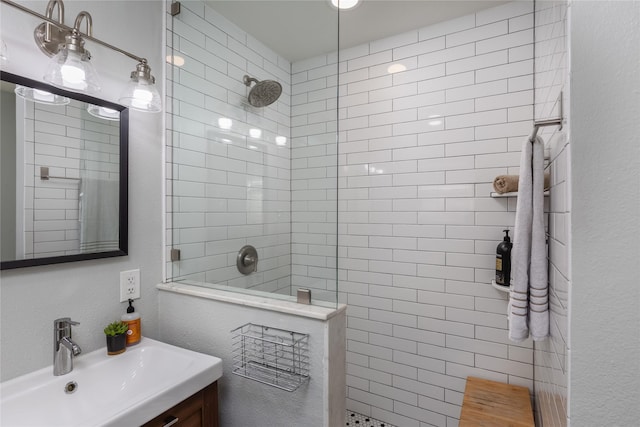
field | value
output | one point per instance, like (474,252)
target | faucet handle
(64,322)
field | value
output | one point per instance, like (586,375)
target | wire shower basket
(271,356)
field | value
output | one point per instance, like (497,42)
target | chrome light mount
(143,72)
(48,37)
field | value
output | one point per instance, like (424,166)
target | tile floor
(355,419)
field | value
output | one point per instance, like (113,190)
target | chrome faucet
(63,347)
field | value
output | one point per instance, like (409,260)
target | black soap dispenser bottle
(503,261)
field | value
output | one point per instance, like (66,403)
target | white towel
(99,215)
(528,309)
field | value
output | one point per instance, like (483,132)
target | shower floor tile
(355,419)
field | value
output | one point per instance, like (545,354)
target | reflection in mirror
(63,175)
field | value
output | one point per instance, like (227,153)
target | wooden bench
(493,404)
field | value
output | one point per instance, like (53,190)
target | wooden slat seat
(493,404)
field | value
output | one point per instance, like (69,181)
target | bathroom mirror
(63,175)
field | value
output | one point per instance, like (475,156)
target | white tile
(507,41)
(410,63)
(477,90)
(453,190)
(513,99)
(394,41)
(418,100)
(420,48)
(448,163)
(393,92)
(418,126)
(514,69)
(407,115)
(516,84)
(446,55)
(478,62)
(447,27)
(370,60)
(521,53)
(476,119)
(511,367)
(394,142)
(419,74)
(369,85)
(424,152)
(353,52)
(475,147)
(447,136)
(441,110)
(446,218)
(456,80)
(477,33)
(370,108)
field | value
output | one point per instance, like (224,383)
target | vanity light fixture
(40,96)
(141,93)
(71,69)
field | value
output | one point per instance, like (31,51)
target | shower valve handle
(247,260)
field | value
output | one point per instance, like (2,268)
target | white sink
(127,389)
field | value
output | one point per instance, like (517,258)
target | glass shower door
(252,152)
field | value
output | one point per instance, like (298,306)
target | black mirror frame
(124,177)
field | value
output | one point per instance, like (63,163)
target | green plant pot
(116,344)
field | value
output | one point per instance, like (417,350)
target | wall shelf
(512,194)
(501,288)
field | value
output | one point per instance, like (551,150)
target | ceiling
(300,29)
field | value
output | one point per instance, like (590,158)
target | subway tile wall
(551,357)
(228,179)
(73,144)
(427,119)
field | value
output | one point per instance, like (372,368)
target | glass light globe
(141,95)
(40,96)
(103,112)
(70,70)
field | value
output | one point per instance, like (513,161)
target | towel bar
(44,175)
(549,122)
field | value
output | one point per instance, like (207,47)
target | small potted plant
(116,333)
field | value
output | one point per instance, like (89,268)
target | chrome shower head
(264,93)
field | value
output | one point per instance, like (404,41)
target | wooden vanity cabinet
(199,410)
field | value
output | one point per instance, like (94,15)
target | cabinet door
(199,410)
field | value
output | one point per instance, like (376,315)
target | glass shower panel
(252,152)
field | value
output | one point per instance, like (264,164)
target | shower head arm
(247,80)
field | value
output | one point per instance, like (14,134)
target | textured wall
(88,291)
(551,79)
(204,325)
(417,229)
(605,106)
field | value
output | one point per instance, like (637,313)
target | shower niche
(252,148)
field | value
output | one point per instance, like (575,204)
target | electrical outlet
(129,285)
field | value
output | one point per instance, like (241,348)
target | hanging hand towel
(528,303)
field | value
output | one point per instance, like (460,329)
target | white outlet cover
(129,285)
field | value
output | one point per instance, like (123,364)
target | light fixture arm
(67,28)
(50,6)
(78,23)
